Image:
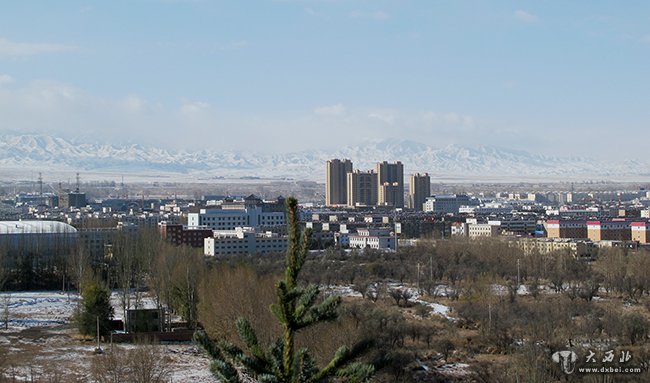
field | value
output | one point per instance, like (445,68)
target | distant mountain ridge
(38,151)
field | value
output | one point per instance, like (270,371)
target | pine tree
(296,309)
(96,304)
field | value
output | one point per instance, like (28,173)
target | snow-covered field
(40,308)
(41,341)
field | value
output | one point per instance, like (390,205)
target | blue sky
(550,77)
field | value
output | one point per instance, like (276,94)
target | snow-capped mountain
(42,151)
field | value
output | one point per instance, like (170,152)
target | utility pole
(489,318)
(518,279)
(40,183)
(395,227)
(98,350)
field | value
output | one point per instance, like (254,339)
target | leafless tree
(396,294)
(6,300)
(144,364)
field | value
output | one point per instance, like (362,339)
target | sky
(549,77)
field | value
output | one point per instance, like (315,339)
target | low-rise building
(459,229)
(556,228)
(244,240)
(185,235)
(475,230)
(614,230)
(577,248)
(374,238)
(640,231)
(251,212)
(447,204)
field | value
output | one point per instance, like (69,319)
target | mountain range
(48,152)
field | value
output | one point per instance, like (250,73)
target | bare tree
(6,298)
(376,292)
(185,286)
(396,294)
(4,271)
(406,295)
(143,364)
(78,267)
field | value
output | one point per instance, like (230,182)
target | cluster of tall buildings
(383,186)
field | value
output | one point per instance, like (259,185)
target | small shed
(145,320)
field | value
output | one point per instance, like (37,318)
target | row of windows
(245,247)
(212,219)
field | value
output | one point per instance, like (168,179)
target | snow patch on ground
(436,308)
(344,291)
(455,369)
(38,308)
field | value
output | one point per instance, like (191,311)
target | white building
(228,218)
(459,229)
(447,204)
(244,240)
(372,238)
(475,230)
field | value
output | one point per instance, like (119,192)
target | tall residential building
(336,182)
(419,190)
(390,184)
(362,188)
(392,194)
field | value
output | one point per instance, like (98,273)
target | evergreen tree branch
(342,357)
(208,345)
(324,312)
(276,351)
(306,300)
(357,372)
(306,366)
(305,241)
(225,371)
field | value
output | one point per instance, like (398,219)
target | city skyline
(547,79)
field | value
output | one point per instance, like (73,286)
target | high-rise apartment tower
(390,184)
(362,188)
(419,190)
(336,182)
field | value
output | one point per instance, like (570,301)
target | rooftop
(35,227)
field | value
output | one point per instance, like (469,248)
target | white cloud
(61,109)
(449,119)
(458,119)
(6,79)
(526,17)
(385,116)
(134,104)
(330,110)
(10,48)
(374,15)
(193,107)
